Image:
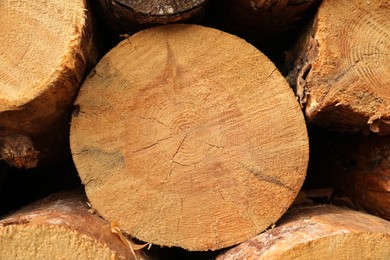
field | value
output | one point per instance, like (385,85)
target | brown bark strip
(125,16)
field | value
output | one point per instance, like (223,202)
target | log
(46,49)
(341,67)
(59,227)
(356,166)
(263,22)
(318,232)
(125,16)
(188,136)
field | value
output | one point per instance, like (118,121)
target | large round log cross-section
(188,136)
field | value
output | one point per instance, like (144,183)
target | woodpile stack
(257,130)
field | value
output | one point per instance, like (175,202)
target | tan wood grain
(188,136)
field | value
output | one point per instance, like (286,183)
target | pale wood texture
(188,136)
(45,49)
(263,21)
(129,16)
(342,69)
(59,227)
(318,232)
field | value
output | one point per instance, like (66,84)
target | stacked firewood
(202,129)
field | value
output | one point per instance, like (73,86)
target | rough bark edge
(124,19)
(300,59)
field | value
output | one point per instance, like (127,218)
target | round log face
(318,232)
(54,242)
(47,47)
(27,65)
(59,227)
(348,84)
(188,136)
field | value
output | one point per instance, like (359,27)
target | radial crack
(213,145)
(153,144)
(178,148)
(153,119)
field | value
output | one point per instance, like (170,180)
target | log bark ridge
(318,232)
(46,49)
(129,16)
(341,69)
(188,136)
(59,227)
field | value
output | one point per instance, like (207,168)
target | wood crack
(153,144)
(153,119)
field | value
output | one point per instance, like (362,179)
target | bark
(194,139)
(341,67)
(318,232)
(46,49)
(129,16)
(59,226)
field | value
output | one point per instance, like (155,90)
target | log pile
(182,140)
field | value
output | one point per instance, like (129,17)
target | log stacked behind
(124,16)
(263,22)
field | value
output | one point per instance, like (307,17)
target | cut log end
(28,66)
(126,16)
(346,84)
(318,232)
(199,149)
(59,226)
(38,84)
